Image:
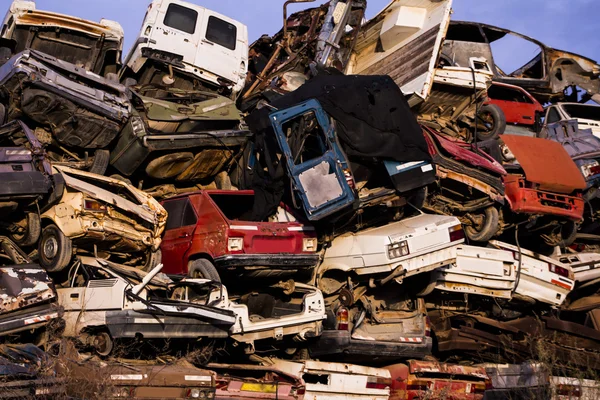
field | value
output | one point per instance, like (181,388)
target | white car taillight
(309,244)
(396,250)
(235,244)
(456,233)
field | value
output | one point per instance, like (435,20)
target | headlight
(309,244)
(93,205)
(399,249)
(235,244)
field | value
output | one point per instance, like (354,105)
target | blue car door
(314,159)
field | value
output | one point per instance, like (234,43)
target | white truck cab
(196,41)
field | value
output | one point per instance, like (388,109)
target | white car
(478,270)
(587,115)
(540,278)
(586,266)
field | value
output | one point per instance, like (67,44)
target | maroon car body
(216,227)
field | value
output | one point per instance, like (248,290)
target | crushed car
(586,115)
(100,216)
(28,295)
(186,46)
(215,232)
(77,113)
(93,46)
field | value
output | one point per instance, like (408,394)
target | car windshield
(582,111)
(235,206)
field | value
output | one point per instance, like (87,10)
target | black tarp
(372,115)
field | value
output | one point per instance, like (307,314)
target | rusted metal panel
(546,163)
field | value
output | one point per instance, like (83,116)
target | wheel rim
(50,248)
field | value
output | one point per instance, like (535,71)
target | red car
(519,107)
(543,182)
(437,381)
(213,230)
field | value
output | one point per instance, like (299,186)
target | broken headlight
(235,244)
(309,244)
(399,249)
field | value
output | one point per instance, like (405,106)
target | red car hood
(463,152)
(546,163)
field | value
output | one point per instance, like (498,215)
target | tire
(203,269)
(152,260)
(33,230)
(568,233)
(491,115)
(100,164)
(55,250)
(488,228)
(2,114)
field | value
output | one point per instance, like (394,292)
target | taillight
(419,385)
(478,387)
(378,383)
(488,384)
(559,270)
(349,178)
(595,170)
(427,327)
(456,233)
(309,244)
(397,250)
(342,318)
(568,390)
(235,244)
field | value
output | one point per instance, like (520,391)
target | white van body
(195,40)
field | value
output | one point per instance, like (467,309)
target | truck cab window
(221,32)
(181,18)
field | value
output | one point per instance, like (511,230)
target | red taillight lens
(349,178)
(427,327)
(595,170)
(456,233)
(378,383)
(568,390)
(342,319)
(301,391)
(559,270)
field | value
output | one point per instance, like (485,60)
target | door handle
(207,42)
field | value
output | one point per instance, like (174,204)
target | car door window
(221,32)
(305,137)
(553,116)
(181,18)
(180,213)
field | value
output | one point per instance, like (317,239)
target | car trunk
(262,237)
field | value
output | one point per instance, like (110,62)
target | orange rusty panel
(546,163)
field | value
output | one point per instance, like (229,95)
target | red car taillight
(456,233)
(595,170)
(342,317)
(378,383)
(559,270)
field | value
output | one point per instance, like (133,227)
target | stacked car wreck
(346,209)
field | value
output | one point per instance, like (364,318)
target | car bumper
(24,184)
(532,201)
(34,318)
(283,261)
(334,342)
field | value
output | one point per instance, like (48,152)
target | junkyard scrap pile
(347,209)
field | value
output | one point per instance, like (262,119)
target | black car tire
(100,163)
(492,114)
(33,229)
(489,228)
(153,258)
(568,233)
(2,113)
(203,269)
(55,250)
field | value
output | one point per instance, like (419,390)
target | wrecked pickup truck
(102,216)
(180,135)
(27,294)
(348,142)
(212,232)
(94,46)
(546,76)
(73,108)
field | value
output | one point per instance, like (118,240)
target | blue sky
(565,24)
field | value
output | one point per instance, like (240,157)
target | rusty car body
(460,168)
(95,213)
(94,46)
(179,135)
(543,181)
(546,76)
(434,380)
(79,110)
(27,294)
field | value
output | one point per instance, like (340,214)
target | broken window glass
(221,32)
(305,137)
(181,18)
(581,111)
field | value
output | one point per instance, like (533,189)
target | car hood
(546,163)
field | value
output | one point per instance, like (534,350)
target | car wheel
(31,231)
(100,164)
(55,250)
(2,114)
(494,119)
(103,344)
(203,269)
(153,258)
(486,226)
